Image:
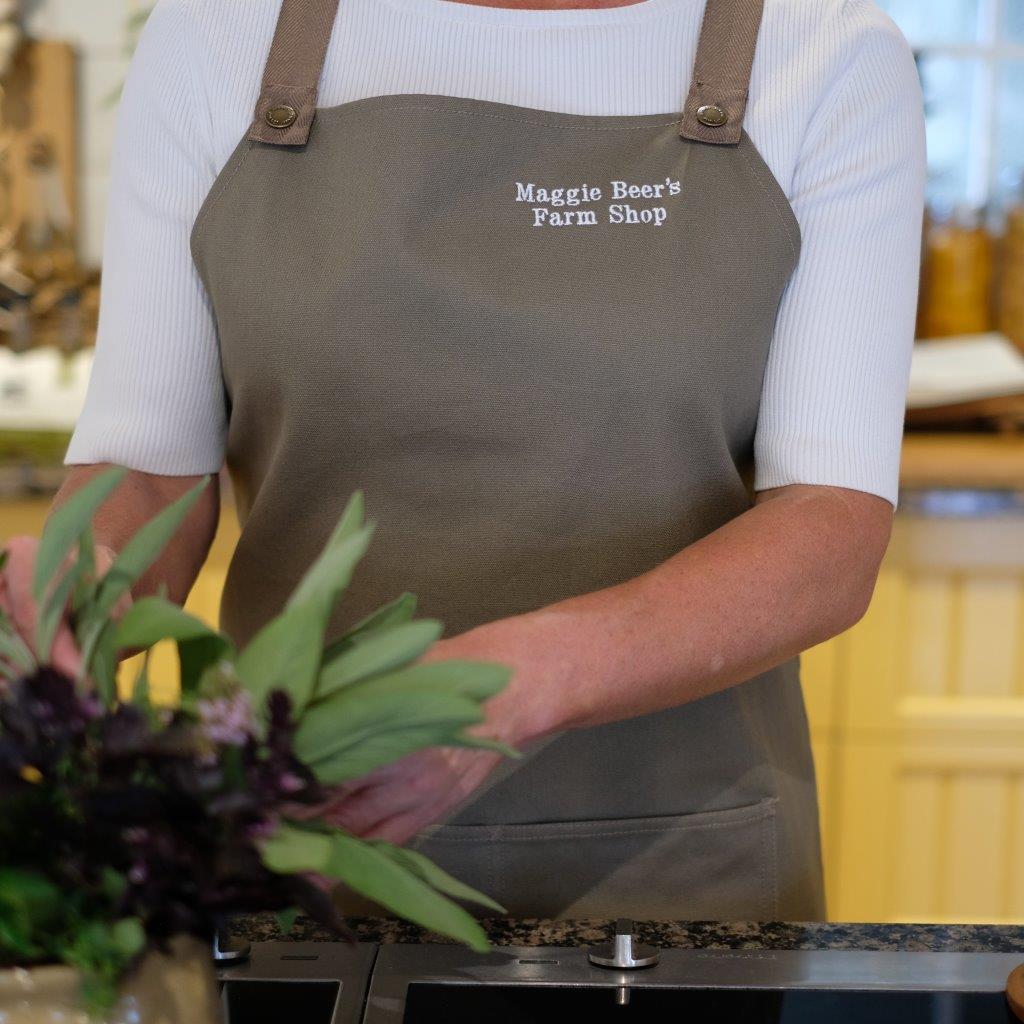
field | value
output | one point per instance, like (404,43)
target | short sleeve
(155,400)
(835,384)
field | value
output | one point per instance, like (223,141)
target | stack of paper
(947,371)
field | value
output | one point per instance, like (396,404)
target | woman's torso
(536,406)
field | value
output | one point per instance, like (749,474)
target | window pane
(938,21)
(951,91)
(1010,142)
(1013,20)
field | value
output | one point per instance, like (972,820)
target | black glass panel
(512,1004)
(279,1002)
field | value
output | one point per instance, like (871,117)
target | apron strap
(721,73)
(291,79)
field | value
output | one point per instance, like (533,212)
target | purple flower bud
(264,828)
(227,720)
(289,782)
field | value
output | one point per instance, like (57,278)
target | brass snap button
(281,116)
(712,115)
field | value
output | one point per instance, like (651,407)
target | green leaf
(84,592)
(128,936)
(53,610)
(284,654)
(332,572)
(30,894)
(142,550)
(426,869)
(475,680)
(346,738)
(196,656)
(381,651)
(67,523)
(351,520)
(140,688)
(14,650)
(486,743)
(394,613)
(152,619)
(291,849)
(30,910)
(286,919)
(365,869)
(99,662)
(383,718)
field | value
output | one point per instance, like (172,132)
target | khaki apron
(536,341)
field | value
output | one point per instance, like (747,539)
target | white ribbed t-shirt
(835,110)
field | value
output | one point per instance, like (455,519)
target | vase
(177,987)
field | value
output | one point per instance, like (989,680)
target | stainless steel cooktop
(335,983)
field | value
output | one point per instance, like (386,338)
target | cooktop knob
(624,953)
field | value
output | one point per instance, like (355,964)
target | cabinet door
(927,732)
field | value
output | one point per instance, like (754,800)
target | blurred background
(918,713)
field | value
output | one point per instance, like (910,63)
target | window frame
(990,53)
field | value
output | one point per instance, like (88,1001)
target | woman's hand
(793,571)
(400,799)
(17,601)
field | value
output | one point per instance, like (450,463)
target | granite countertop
(680,934)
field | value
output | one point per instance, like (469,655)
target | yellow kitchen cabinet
(917,722)
(925,697)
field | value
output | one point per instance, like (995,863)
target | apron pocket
(714,865)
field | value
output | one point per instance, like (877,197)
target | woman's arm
(796,569)
(138,498)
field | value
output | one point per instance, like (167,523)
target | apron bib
(537,342)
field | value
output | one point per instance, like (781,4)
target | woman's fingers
(65,655)
(361,813)
(18,601)
(20,605)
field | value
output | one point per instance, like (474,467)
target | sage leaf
(394,613)
(351,519)
(290,850)
(286,919)
(99,662)
(66,524)
(426,869)
(332,572)
(196,656)
(140,689)
(368,871)
(284,654)
(350,735)
(15,651)
(142,551)
(53,609)
(485,743)
(152,619)
(475,680)
(84,592)
(381,651)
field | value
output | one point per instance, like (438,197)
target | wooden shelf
(970,461)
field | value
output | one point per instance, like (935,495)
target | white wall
(97,30)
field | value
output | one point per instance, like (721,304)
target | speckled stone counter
(680,934)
